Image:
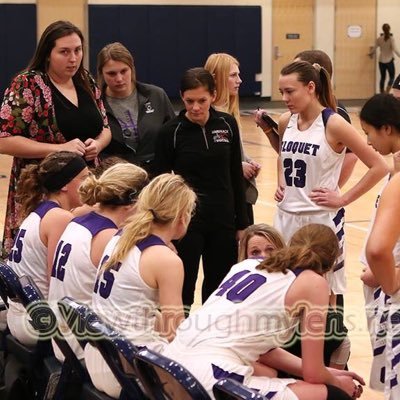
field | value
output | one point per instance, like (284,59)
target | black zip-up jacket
(154,109)
(209,159)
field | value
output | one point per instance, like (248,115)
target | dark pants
(383,67)
(219,251)
(250,213)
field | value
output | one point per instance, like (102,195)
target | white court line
(348,224)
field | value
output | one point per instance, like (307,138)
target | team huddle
(114,200)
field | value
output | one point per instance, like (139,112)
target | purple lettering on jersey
(238,288)
(105,280)
(16,251)
(60,260)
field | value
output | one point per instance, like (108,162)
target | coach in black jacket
(203,146)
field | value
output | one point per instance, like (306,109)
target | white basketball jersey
(123,300)
(308,162)
(28,255)
(379,308)
(246,314)
(73,273)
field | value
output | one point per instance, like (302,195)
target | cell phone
(269,121)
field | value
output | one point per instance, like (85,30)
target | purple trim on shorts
(44,207)
(220,373)
(338,266)
(379,350)
(339,216)
(393,382)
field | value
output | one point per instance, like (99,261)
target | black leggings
(219,251)
(383,67)
(334,393)
(335,333)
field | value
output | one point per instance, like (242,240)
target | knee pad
(334,393)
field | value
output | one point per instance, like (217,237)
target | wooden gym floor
(357,219)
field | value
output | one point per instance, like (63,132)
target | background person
(135,110)
(388,49)
(53,105)
(225,70)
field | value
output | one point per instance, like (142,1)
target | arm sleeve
(394,47)
(164,152)
(169,109)
(17,113)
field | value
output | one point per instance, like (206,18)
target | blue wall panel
(167,40)
(17,38)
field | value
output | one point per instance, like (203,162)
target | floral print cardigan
(28,110)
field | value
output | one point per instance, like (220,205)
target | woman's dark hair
(40,59)
(316,56)
(30,189)
(381,109)
(313,73)
(197,77)
(386,31)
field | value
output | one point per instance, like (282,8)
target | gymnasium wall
(167,40)
(21,21)
(17,38)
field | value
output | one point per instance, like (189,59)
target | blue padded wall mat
(18,40)
(167,40)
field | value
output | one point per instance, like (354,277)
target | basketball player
(46,193)
(380,119)
(255,310)
(82,243)
(313,145)
(141,275)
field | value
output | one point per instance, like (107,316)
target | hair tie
(127,199)
(317,67)
(153,213)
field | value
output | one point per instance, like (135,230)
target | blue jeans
(383,67)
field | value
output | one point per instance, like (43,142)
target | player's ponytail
(314,247)
(165,200)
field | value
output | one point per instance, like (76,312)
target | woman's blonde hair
(163,201)
(264,230)
(120,184)
(219,65)
(314,247)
